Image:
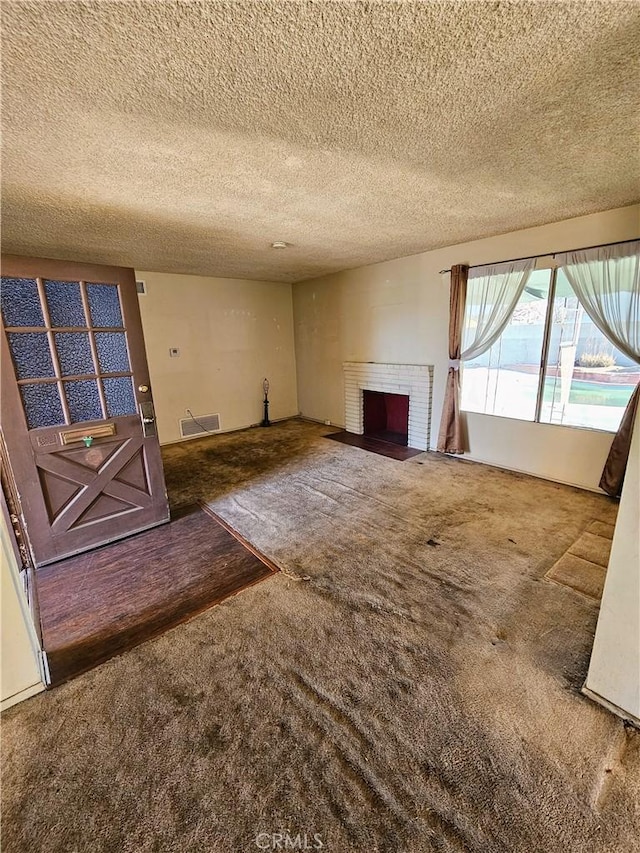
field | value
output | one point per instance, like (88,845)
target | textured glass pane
(120,397)
(31,355)
(74,353)
(112,352)
(65,303)
(20,302)
(104,304)
(83,400)
(42,405)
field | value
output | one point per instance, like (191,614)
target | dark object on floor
(375,445)
(98,604)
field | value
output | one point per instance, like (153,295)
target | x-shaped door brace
(94,483)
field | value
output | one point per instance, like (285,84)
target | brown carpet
(419,692)
(98,604)
(583,567)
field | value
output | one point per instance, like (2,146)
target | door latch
(148,418)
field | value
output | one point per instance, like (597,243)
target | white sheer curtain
(482,301)
(492,295)
(607,283)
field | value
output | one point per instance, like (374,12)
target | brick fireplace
(396,380)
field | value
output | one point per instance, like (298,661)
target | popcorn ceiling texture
(186,137)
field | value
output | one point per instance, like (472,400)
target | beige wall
(614,670)
(20,674)
(397,311)
(231,335)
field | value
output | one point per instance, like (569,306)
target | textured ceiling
(187,137)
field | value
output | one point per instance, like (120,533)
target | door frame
(26,582)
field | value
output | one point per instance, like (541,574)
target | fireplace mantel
(414,380)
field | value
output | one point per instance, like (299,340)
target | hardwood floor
(375,445)
(99,604)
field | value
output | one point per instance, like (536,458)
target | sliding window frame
(548,322)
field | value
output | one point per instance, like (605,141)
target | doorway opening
(83,474)
(386,416)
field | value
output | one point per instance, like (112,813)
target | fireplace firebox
(386,416)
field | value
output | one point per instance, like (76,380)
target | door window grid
(81,396)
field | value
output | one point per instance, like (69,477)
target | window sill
(539,423)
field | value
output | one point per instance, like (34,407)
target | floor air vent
(199,425)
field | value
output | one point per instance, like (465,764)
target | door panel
(77,413)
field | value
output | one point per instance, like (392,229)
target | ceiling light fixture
(279,244)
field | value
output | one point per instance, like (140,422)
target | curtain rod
(546,254)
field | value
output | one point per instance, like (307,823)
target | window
(69,349)
(588,382)
(551,364)
(504,380)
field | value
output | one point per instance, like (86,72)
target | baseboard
(225,431)
(318,421)
(27,693)
(467,457)
(610,706)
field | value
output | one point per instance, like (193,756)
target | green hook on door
(88,440)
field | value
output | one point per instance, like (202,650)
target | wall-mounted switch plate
(174,352)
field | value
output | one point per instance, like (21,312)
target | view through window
(586,382)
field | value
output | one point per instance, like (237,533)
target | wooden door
(77,414)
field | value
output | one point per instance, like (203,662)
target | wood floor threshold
(86,624)
(90,652)
(263,559)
